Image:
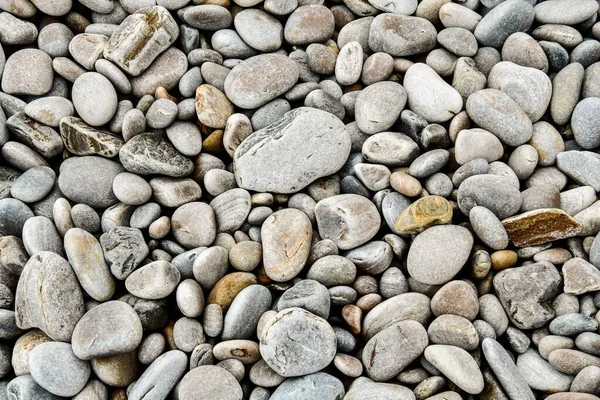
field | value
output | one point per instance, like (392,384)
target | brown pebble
(540,226)
(405,184)
(503,259)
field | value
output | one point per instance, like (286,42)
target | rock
(422,214)
(571,362)
(348,64)
(124,250)
(453,330)
(438,253)
(540,375)
(505,370)
(89,180)
(566,87)
(555,12)
(572,324)
(82,139)
(391,350)
(455,298)
(503,20)
(209,382)
(401,35)
(165,72)
(530,88)
(586,124)
(212,106)
(526,293)
(477,143)
(13,216)
(140,38)
(119,370)
(13,255)
(488,228)
(259,29)
(49,110)
(245,311)
(225,290)
(312,349)
(286,236)
(390,149)
(496,193)
(194,225)
(373,113)
(55,368)
(39,137)
(24,387)
(27,72)
(540,226)
(33,185)
(299,161)
(458,365)
(85,256)
(319,384)
(407,306)
(107,329)
(161,376)
(429,95)
(153,281)
(309,295)
(208,16)
(231,209)
(505,119)
(260,79)
(174,192)
(46,278)
(360,217)
(147,154)
(89,90)
(312,23)
(364,387)
(581,166)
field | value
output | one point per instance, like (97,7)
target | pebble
(401,35)
(153,281)
(505,370)
(505,19)
(540,226)
(540,375)
(33,185)
(319,384)
(161,376)
(147,154)
(209,382)
(41,138)
(373,114)
(27,72)
(89,89)
(245,311)
(457,365)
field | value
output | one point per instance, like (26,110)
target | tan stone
(503,259)
(540,226)
(423,213)
(228,287)
(405,184)
(212,106)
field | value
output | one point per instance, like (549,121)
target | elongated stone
(540,226)
(140,38)
(40,137)
(82,139)
(148,154)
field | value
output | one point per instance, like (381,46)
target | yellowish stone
(423,213)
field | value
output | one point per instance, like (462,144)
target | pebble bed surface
(299,199)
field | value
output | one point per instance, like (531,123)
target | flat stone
(165,72)
(140,38)
(424,213)
(246,309)
(85,256)
(312,347)
(581,166)
(295,150)
(393,349)
(309,295)
(212,106)
(28,72)
(210,17)
(567,82)
(526,293)
(317,385)
(540,375)
(286,238)
(555,12)
(572,324)
(82,139)
(13,255)
(453,330)
(507,18)
(540,226)
(496,193)
(161,376)
(49,110)
(390,149)
(505,370)
(407,306)
(313,23)
(153,281)
(497,112)
(55,367)
(39,137)
(148,154)
(364,387)
(33,185)
(438,253)
(458,365)
(231,209)
(259,29)
(477,143)
(209,382)
(107,329)
(401,35)
(89,180)
(260,79)
(359,216)
(429,95)
(49,297)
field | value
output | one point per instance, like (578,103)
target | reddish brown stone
(540,226)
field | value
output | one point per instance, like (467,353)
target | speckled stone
(540,226)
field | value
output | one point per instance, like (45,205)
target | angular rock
(124,249)
(540,226)
(580,276)
(82,139)
(41,138)
(148,154)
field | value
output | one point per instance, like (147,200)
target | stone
(259,29)
(27,72)
(360,217)
(507,18)
(374,113)
(85,256)
(458,365)
(33,185)
(161,376)
(571,362)
(455,298)
(212,106)
(161,113)
(153,281)
(477,143)
(248,85)
(580,276)
(194,225)
(124,250)
(364,387)
(422,214)
(225,290)
(82,139)
(231,209)
(566,88)
(147,154)
(13,255)
(438,253)
(299,160)
(107,329)
(407,306)
(140,38)
(585,123)
(311,23)
(488,228)
(208,16)
(245,311)
(165,72)
(555,12)
(348,64)
(505,370)
(209,382)
(496,193)
(48,296)
(39,137)
(572,324)
(40,234)
(89,180)
(506,119)
(24,387)
(119,370)
(429,95)
(309,295)
(55,367)
(540,375)
(540,226)
(526,293)
(401,35)
(49,110)
(313,346)
(89,90)
(311,386)
(394,348)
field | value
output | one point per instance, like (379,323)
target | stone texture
(540,226)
